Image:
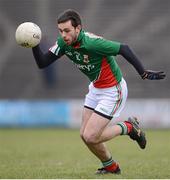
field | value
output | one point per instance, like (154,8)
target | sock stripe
(123,127)
(108,163)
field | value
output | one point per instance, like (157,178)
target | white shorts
(107,102)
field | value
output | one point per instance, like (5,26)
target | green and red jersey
(94,56)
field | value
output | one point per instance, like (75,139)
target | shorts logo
(104,110)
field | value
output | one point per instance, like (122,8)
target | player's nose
(63,34)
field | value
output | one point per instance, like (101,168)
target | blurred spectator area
(143,24)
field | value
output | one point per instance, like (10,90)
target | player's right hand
(153,75)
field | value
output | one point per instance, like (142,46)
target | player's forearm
(43,60)
(127,53)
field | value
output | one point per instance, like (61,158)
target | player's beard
(72,40)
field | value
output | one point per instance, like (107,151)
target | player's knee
(90,138)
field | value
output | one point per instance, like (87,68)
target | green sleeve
(104,47)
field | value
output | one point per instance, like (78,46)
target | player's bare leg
(129,127)
(95,131)
(102,152)
(98,149)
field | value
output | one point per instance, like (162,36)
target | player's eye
(60,31)
(67,30)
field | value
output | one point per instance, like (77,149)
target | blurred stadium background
(54,96)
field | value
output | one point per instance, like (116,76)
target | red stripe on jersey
(76,45)
(106,77)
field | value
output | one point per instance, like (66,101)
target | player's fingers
(161,72)
(163,76)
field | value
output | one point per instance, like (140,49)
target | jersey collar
(80,36)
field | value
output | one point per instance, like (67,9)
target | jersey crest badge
(85,58)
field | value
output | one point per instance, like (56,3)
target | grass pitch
(60,154)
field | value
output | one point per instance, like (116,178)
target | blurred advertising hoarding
(33,113)
(152,113)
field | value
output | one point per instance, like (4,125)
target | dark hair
(69,14)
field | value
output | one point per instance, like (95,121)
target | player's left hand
(153,75)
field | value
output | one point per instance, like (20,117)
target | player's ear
(78,28)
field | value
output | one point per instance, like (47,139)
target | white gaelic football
(28,34)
